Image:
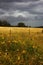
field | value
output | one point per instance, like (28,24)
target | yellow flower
(18,57)
(24,51)
(15,41)
(33,46)
(9,41)
(17,49)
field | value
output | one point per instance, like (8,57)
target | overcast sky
(28,11)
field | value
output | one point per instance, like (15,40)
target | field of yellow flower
(21,46)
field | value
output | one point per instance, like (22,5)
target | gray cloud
(10,0)
(28,11)
(17,0)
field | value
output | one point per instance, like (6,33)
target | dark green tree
(21,24)
(4,23)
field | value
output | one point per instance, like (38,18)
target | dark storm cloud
(10,0)
(16,0)
(18,6)
(27,11)
(1,13)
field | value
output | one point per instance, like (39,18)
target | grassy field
(21,46)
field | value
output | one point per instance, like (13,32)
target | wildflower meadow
(21,46)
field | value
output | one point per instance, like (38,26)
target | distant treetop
(4,23)
(21,24)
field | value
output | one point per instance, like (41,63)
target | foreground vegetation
(21,46)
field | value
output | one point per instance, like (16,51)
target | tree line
(4,23)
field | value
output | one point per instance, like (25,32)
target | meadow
(21,46)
